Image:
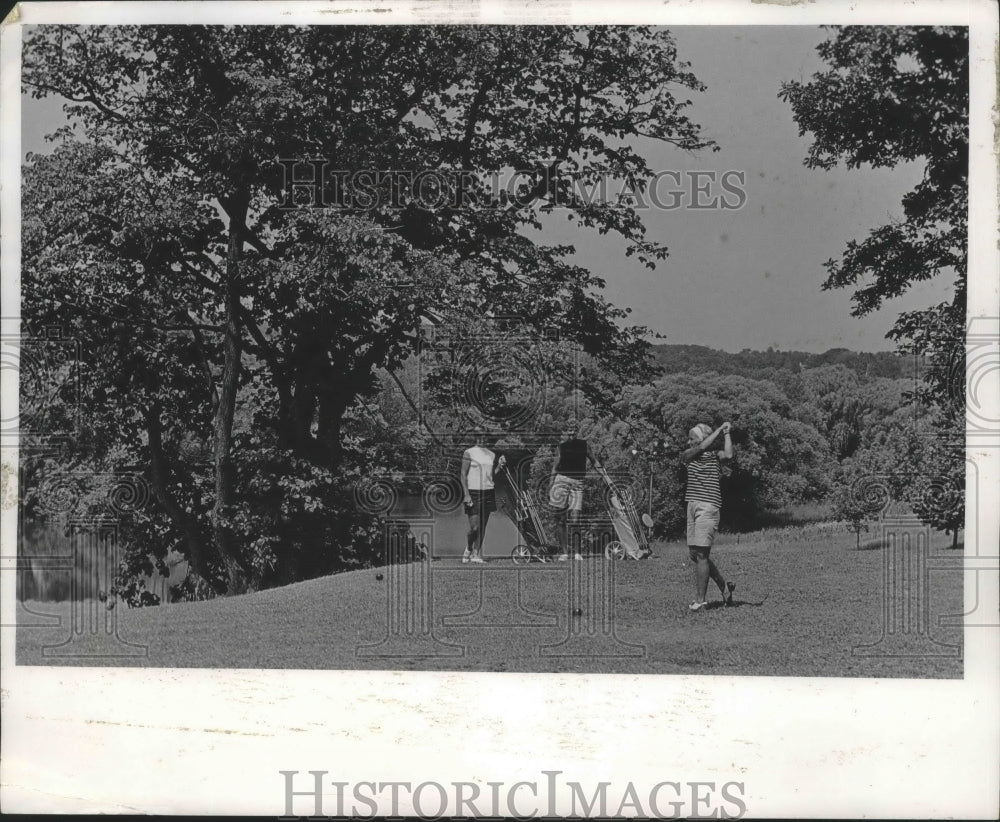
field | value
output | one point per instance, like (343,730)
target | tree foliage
(892,95)
(234,345)
(773,364)
(779,460)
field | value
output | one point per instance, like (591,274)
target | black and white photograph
(478,399)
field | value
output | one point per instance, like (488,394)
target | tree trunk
(337,392)
(332,407)
(222,426)
(954,539)
(308,363)
(187,523)
(286,433)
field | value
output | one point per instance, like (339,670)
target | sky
(747,278)
(752,278)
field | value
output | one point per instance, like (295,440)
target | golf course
(808,603)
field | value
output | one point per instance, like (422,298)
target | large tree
(892,95)
(158,232)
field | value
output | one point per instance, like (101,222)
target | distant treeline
(762,364)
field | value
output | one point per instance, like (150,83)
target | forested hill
(762,364)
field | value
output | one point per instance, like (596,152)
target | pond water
(51,571)
(449,530)
(58,563)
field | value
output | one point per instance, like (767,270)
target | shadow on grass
(736,603)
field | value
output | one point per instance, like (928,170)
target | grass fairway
(805,600)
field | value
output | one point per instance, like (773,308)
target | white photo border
(213,741)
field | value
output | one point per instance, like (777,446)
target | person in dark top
(566,489)
(704,504)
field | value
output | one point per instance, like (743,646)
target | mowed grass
(805,603)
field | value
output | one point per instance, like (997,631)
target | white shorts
(566,493)
(702,523)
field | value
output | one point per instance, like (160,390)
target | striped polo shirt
(703,479)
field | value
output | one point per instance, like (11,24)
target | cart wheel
(521,555)
(614,550)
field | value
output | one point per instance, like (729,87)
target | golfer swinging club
(704,502)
